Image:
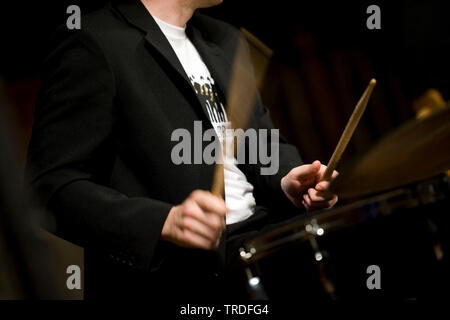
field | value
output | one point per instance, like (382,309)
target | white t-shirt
(238,191)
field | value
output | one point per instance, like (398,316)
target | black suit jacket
(100,155)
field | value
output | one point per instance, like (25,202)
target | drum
(390,246)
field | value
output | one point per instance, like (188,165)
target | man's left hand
(303,187)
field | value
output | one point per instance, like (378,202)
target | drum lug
(254,284)
(247,255)
(314,229)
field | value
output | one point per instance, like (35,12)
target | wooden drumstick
(348,131)
(241,96)
(217,185)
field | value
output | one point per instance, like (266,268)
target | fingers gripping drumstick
(348,131)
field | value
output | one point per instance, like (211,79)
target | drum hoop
(317,223)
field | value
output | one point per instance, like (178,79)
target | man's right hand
(196,223)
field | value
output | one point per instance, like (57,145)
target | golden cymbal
(415,151)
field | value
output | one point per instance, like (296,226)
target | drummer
(100,153)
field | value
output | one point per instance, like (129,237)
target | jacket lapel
(136,14)
(218,64)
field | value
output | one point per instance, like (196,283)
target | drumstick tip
(373,82)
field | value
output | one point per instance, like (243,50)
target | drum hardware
(418,203)
(321,257)
(331,220)
(433,191)
(437,246)
(430,193)
(255,286)
(247,255)
(314,229)
(380,206)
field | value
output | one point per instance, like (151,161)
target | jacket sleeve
(72,151)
